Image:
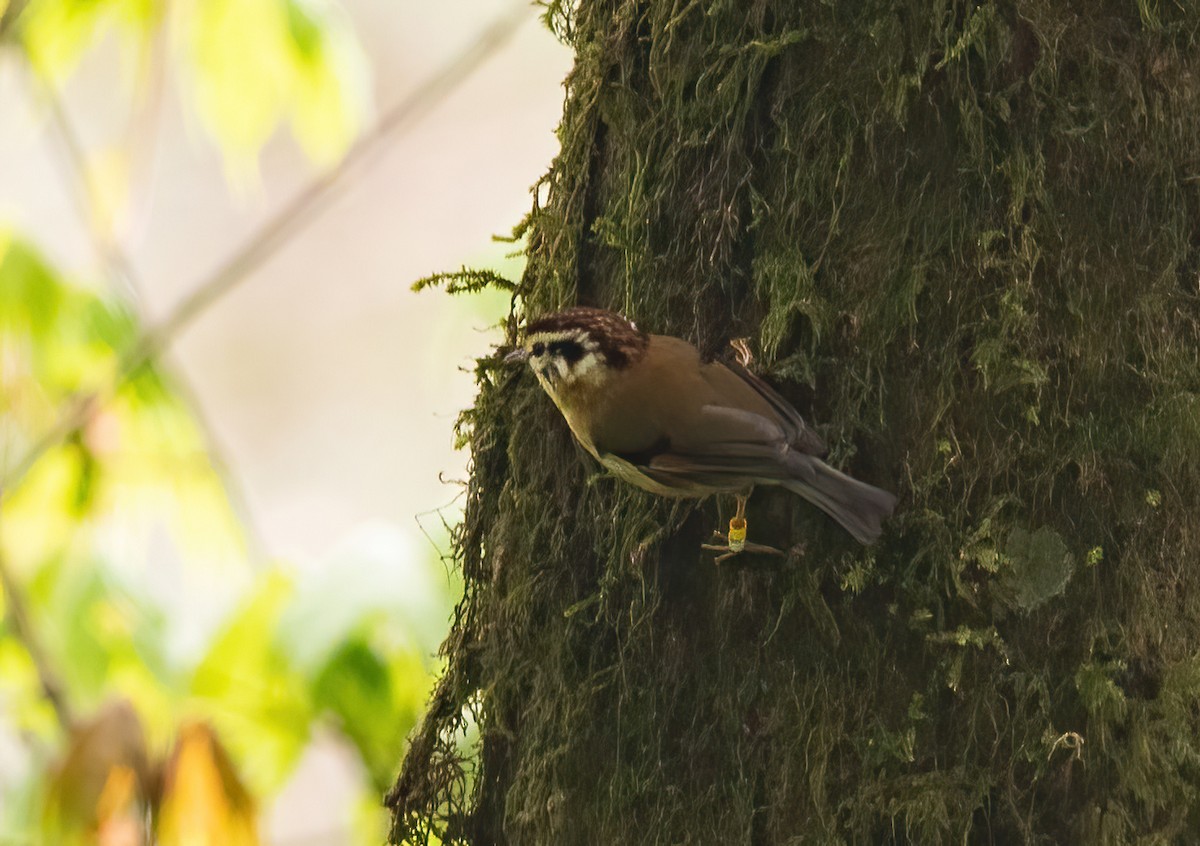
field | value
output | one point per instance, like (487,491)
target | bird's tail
(859,508)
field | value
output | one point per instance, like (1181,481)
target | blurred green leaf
(105,639)
(377,701)
(62,337)
(257,62)
(331,99)
(56,32)
(377,573)
(61,344)
(109,323)
(240,69)
(38,516)
(24,704)
(259,704)
(364,628)
(251,64)
(30,292)
(356,687)
(139,468)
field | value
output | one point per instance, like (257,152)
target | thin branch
(10,16)
(52,687)
(123,274)
(119,267)
(263,244)
(309,203)
(277,232)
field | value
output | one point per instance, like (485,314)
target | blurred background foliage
(101,452)
(248,64)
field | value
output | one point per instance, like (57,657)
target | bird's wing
(726,448)
(701,475)
(799,434)
(724,430)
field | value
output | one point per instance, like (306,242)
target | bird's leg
(735,541)
(737,526)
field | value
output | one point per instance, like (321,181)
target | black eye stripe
(570,351)
(539,348)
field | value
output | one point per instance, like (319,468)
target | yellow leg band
(737,534)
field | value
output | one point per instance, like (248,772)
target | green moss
(962,238)
(1038,568)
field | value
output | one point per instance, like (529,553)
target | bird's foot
(729,550)
(741,348)
(735,543)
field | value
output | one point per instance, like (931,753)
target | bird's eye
(538,348)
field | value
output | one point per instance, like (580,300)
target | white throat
(555,370)
(557,373)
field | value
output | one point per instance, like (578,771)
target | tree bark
(963,239)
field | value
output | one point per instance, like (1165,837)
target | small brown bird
(657,417)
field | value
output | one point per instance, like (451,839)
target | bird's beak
(517,356)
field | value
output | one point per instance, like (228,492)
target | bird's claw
(733,547)
(722,548)
(735,541)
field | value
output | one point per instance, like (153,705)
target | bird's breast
(575,407)
(630,474)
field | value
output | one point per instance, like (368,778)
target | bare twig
(9,16)
(124,276)
(52,687)
(257,249)
(275,233)
(119,267)
(314,199)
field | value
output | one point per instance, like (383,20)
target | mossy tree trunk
(964,239)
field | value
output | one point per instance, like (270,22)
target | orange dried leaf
(204,802)
(99,790)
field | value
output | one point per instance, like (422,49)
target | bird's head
(579,345)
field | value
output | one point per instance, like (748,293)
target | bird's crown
(591,329)
(571,344)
